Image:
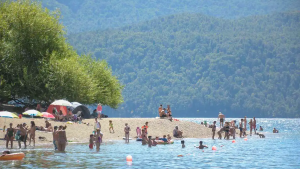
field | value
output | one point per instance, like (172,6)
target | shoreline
(79,133)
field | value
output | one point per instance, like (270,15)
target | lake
(280,150)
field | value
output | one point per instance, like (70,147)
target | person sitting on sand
(62,139)
(177,133)
(182,144)
(275,130)
(97,125)
(160,108)
(55,137)
(222,119)
(10,132)
(48,127)
(126,130)
(32,133)
(201,146)
(111,126)
(260,128)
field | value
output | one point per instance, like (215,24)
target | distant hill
(201,65)
(87,15)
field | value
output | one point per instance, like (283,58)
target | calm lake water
(279,150)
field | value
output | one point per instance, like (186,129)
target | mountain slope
(201,65)
(87,15)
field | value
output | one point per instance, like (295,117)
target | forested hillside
(201,65)
(86,15)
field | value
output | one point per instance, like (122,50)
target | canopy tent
(84,111)
(58,108)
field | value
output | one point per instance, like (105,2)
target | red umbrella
(48,115)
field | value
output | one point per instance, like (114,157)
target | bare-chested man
(213,129)
(222,119)
(201,146)
(23,136)
(254,124)
(241,127)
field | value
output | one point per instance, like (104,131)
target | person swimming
(201,146)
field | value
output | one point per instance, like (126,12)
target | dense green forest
(201,65)
(85,15)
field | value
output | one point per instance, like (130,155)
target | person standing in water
(62,139)
(126,130)
(10,132)
(245,124)
(98,139)
(241,127)
(55,137)
(213,129)
(32,133)
(254,124)
(251,125)
(23,135)
(222,119)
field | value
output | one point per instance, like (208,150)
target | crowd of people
(165,113)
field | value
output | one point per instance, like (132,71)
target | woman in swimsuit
(62,139)
(227,128)
(32,133)
(251,126)
(10,135)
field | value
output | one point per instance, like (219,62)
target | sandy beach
(80,132)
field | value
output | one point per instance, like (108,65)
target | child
(169,137)
(92,138)
(201,146)
(260,128)
(98,139)
(138,132)
(164,138)
(213,129)
(126,130)
(111,126)
(182,144)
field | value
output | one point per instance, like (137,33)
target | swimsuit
(91,146)
(221,119)
(10,133)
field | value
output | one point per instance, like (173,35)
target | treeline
(87,15)
(38,66)
(201,65)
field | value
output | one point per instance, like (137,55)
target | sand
(80,132)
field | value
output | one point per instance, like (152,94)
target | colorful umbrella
(32,113)
(7,114)
(48,115)
(61,103)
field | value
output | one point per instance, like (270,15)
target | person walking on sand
(32,133)
(126,130)
(222,119)
(97,125)
(99,110)
(62,139)
(111,126)
(254,124)
(213,129)
(10,132)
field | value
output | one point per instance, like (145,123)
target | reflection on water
(275,151)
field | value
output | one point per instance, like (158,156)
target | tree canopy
(37,65)
(201,65)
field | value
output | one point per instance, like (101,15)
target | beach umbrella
(32,113)
(48,115)
(8,114)
(61,103)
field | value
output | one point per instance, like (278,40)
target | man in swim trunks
(10,132)
(254,125)
(241,127)
(23,136)
(222,119)
(126,130)
(213,129)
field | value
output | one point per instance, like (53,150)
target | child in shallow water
(92,138)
